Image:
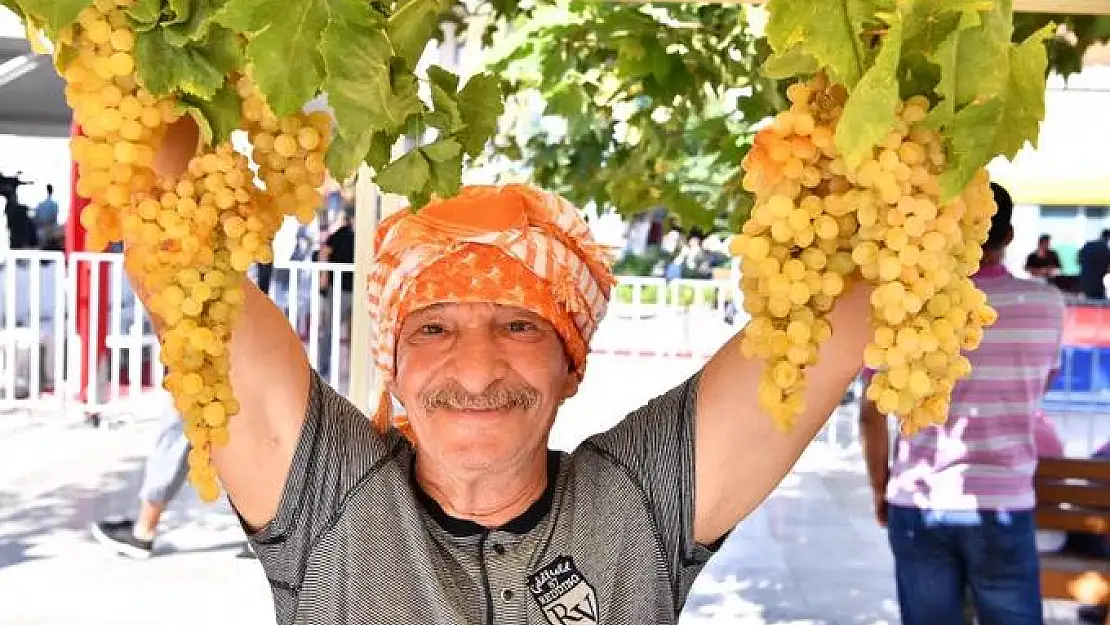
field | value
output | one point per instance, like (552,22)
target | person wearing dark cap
(1094,263)
(957,499)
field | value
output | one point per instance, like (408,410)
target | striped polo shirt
(355,540)
(984,456)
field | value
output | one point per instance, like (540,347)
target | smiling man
(456,512)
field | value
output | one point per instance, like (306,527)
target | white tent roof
(31,94)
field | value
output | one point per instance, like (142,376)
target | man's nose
(478,361)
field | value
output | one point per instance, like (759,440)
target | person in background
(46,219)
(1094,263)
(958,498)
(163,476)
(1044,262)
(22,234)
(265,276)
(339,247)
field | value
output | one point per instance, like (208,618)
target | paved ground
(810,556)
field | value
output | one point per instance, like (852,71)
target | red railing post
(75,242)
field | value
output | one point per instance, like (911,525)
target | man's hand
(180,143)
(740,454)
(875,438)
(880,508)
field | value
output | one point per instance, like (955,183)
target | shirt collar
(526,522)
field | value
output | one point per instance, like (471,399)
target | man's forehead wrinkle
(433,309)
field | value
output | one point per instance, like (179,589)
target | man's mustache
(497,396)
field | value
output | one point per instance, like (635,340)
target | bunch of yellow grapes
(819,223)
(289,152)
(121,121)
(189,241)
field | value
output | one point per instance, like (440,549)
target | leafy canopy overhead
(361,56)
(643,107)
(621,130)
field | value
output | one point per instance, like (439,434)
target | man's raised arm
(270,378)
(739,455)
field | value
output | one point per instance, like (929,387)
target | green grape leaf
(568,100)
(407,176)
(197,26)
(411,26)
(359,80)
(381,149)
(223,49)
(872,108)
(243,16)
(442,150)
(448,81)
(830,31)
(480,105)
(286,64)
(788,64)
(53,15)
(144,15)
(218,116)
(446,177)
(954,79)
(164,69)
(1000,124)
(928,23)
(1025,92)
(916,75)
(969,146)
(982,57)
(177,11)
(63,56)
(344,154)
(445,109)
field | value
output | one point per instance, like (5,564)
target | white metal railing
(32,313)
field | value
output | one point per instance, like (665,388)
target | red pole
(75,242)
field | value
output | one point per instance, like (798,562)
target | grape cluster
(289,152)
(188,241)
(181,243)
(819,223)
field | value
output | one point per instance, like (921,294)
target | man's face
(480,383)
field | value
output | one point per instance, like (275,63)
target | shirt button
(507,595)
(499,549)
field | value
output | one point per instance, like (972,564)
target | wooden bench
(1073,495)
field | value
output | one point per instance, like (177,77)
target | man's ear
(570,386)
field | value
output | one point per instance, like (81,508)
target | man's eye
(521,326)
(431,328)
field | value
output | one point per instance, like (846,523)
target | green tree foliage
(653,106)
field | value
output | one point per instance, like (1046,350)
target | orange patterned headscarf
(513,245)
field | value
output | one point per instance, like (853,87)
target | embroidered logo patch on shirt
(563,594)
